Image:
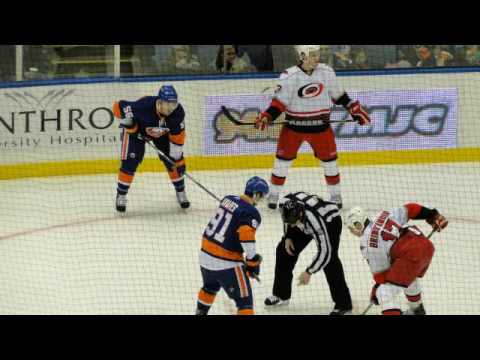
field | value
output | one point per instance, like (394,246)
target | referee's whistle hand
(304,278)
(289,247)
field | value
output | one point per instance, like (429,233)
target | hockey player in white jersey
(398,254)
(305,93)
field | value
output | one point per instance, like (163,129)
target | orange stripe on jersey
(125,178)
(126,139)
(132,130)
(180,163)
(253,263)
(246,233)
(116,110)
(213,249)
(241,282)
(245,312)
(177,139)
(206,298)
(173,174)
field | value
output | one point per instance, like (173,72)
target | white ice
(63,250)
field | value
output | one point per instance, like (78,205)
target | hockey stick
(371,304)
(230,117)
(167,159)
(367,309)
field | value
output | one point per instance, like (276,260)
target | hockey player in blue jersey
(229,236)
(159,119)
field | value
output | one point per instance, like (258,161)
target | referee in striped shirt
(308,217)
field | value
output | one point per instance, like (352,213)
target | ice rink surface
(63,250)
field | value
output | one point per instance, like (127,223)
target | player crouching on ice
(398,254)
(160,119)
(229,235)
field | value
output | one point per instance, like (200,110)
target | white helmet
(355,215)
(304,51)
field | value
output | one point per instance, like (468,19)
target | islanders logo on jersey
(310,90)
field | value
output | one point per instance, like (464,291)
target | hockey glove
(437,221)
(373,294)
(358,113)
(253,266)
(262,121)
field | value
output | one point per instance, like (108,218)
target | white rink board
(85,128)
(63,250)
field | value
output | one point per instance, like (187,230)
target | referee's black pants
(285,263)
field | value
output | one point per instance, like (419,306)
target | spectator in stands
(472,55)
(260,56)
(443,55)
(162,59)
(342,56)
(7,70)
(206,55)
(228,60)
(184,59)
(283,57)
(407,53)
(426,57)
(326,55)
(359,59)
(401,63)
(36,64)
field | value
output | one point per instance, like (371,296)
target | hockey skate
(340,312)
(337,199)
(419,310)
(273,201)
(121,203)
(274,301)
(182,200)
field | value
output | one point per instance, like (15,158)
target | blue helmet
(168,93)
(256,185)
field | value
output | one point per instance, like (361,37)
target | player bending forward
(305,93)
(161,120)
(398,254)
(307,217)
(229,235)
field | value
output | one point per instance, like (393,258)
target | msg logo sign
(401,119)
(227,131)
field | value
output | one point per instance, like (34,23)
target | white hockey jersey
(379,237)
(308,98)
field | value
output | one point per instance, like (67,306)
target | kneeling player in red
(229,235)
(398,254)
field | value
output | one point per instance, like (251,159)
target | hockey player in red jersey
(398,254)
(305,93)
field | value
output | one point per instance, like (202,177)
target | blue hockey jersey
(229,233)
(147,122)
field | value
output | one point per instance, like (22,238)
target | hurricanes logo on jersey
(310,90)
